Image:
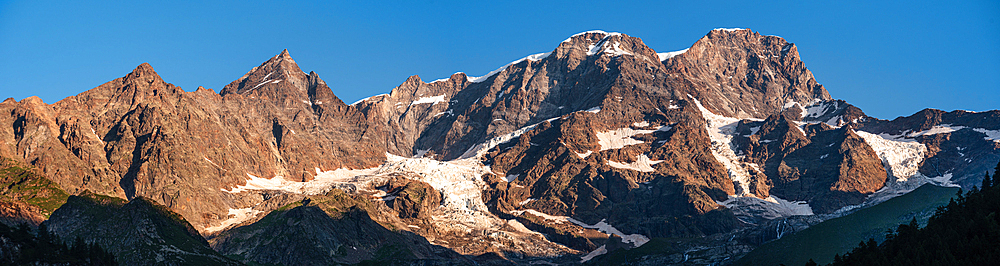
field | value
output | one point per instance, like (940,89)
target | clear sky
(889,58)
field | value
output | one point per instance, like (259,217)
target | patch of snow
(619,138)
(939,129)
(641,124)
(641,164)
(835,121)
(769,208)
(236,216)
(420,153)
(597,252)
(534,57)
(511,178)
(616,50)
(431,100)
(440,80)
(668,55)
(589,31)
(944,180)
(584,155)
(321,183)
(602,226)
(824,156)
(901,158)
(447,113)
(820,109)
(558,219)
(369,97)
(673,106)
(900,187)
(595,109)
(993,135)
(637,240)
(593,48)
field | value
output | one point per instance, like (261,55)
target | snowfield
(901,158)
(721,130)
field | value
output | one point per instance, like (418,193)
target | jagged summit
(143,73)
(144,68)
(741,73)
(277,69)
(284,54)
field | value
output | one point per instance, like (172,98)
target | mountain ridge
(590,132)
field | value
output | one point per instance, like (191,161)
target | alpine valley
(598,146)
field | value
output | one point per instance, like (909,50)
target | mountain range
(558,157)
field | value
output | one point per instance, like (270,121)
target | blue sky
(889,58)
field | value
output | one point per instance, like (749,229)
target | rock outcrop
(138,232)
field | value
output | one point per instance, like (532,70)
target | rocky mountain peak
(143,74)
(269,75)
(599,43)
(741,73)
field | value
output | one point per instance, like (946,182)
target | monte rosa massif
(599,145)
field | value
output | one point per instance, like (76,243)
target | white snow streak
(641,164)
(721,130)
(616,50)
(236,216)
(602,226)
(534,57)
(366,98)
(668,55)
(431,100)
(619,138)
(939,129)
(597,252)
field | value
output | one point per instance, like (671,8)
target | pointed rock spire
(277,69)
(144,72)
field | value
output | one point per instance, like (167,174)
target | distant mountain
(556,157)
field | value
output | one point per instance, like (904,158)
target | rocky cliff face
(602,142)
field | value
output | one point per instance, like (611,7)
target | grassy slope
(120,227)
(838,236)
(19,183)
